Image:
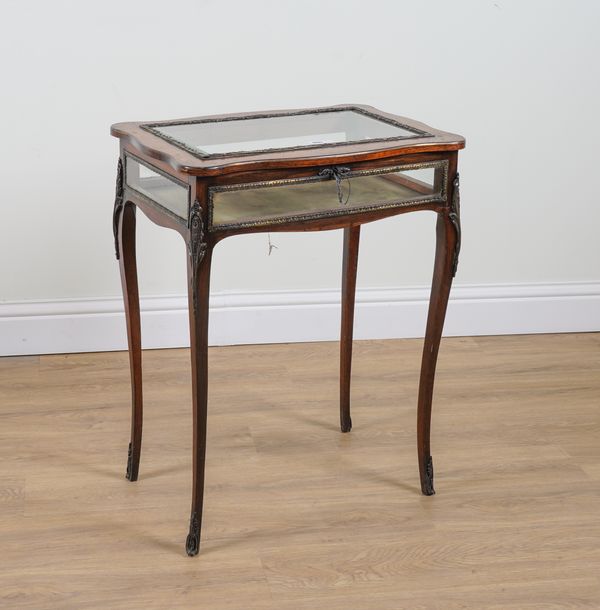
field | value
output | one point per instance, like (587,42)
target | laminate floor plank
(297,515)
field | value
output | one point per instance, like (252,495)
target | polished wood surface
(438,302)
(182,162)
(349,270)
(514,526)
(198,298)
(131,298)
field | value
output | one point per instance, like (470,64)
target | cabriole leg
(198,290)
(349,268)
(124,228)
(446,261)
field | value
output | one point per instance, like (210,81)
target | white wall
(519,79)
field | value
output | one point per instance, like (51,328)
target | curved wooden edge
(180,160)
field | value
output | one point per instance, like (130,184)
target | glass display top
(257,133)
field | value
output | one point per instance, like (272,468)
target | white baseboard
(90,325)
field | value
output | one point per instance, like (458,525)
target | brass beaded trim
(443,165)
(152,128)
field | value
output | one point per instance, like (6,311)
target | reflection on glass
(157,187)
(254,203)
(281,132)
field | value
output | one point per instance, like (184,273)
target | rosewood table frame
(200,239)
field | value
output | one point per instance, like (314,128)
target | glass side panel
(267,202)
(246,135)
(157,187)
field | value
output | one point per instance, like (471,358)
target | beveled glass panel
(166,192)
(272,133)
(281,200)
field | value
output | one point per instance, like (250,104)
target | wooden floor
(297,515)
